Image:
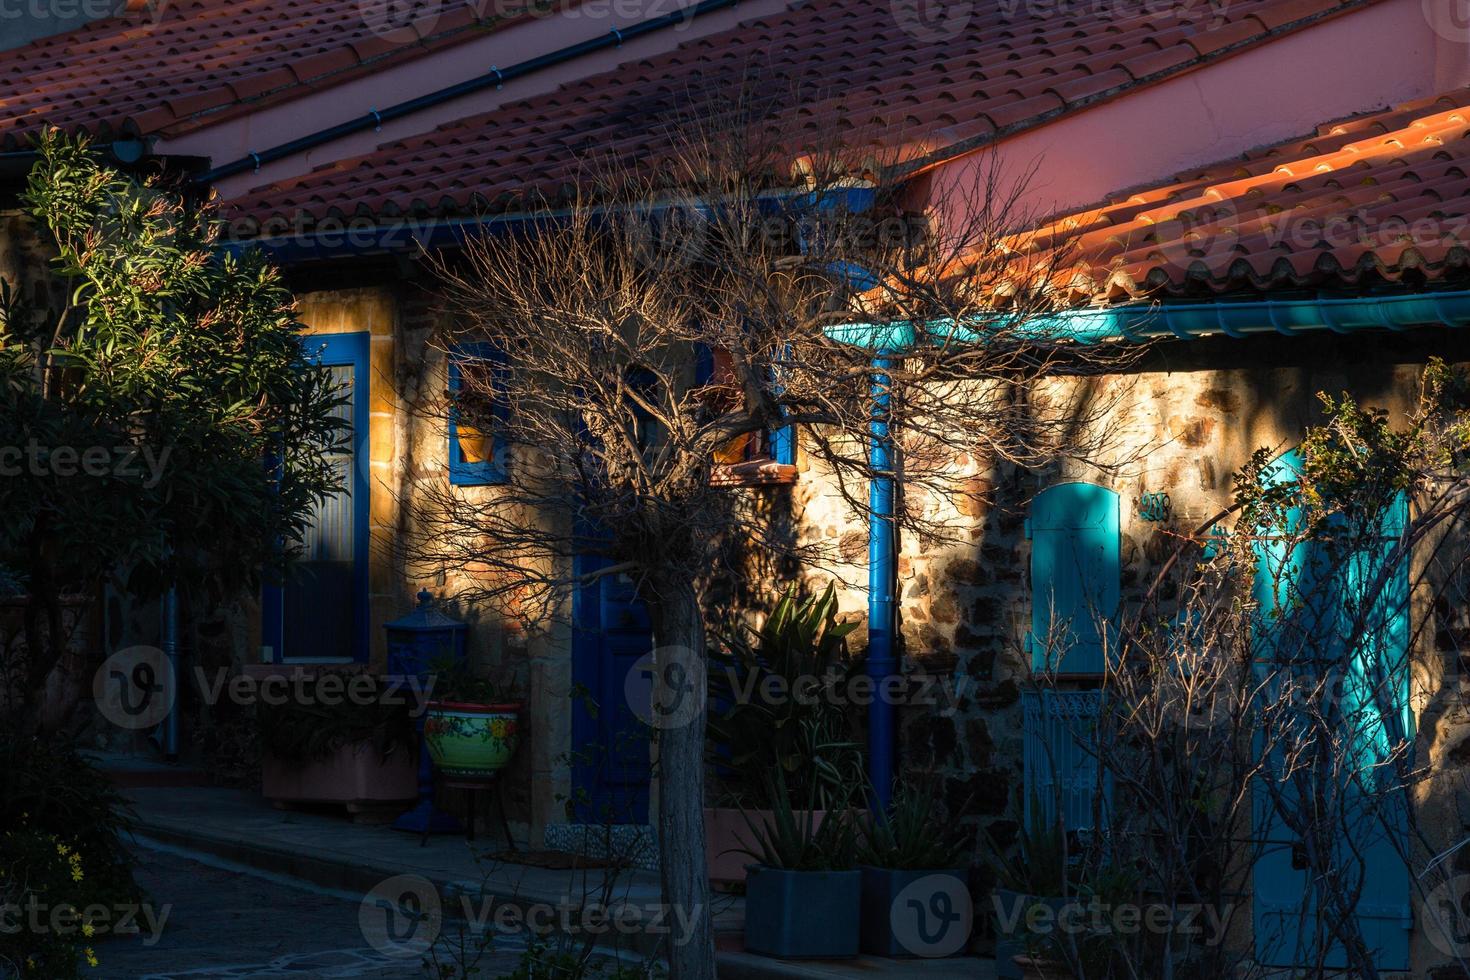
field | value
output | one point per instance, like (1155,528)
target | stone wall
(1185,421)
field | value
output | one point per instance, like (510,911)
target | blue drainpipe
(881,580)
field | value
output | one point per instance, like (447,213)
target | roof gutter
(495,78)
(1186,321)
(349,237)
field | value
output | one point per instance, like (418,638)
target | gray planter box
(801,914)
(881,888)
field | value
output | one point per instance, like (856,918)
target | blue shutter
(1059,757)
(465,472)
(1074,575)
(1305,588)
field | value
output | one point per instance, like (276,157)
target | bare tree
(731,244)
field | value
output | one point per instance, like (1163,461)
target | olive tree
(737,244)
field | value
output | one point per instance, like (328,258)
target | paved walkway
(374,865)
(218,922)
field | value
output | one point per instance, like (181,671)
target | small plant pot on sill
(472,739)
(913,929)
(802,914)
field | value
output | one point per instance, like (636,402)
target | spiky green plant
(804,738)
(910,835)
(794,839)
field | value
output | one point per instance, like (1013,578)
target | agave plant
(1040,864)
(771,688)
(911,836)
(795,839)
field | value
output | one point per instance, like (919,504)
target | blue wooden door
(1074,535)
(611,768)
(320,613)
(1311,596)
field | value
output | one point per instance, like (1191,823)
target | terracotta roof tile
(193,61)
(1380,197)
(850,69)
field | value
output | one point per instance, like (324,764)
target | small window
(715,372)
(475,457)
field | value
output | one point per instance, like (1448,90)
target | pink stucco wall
(1376,57)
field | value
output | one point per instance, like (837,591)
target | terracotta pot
(353,774)
(472,739)
(727,834)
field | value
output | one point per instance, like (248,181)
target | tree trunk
(679,715)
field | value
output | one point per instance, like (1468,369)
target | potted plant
(771,713)
(907,851)
(802,893)
(473,725)
(341,740)
(1038,874)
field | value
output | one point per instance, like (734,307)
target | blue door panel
(611,767)
(321,611)
(1319,592)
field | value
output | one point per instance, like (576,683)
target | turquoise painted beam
(1186,321)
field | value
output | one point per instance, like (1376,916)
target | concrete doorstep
(329,852)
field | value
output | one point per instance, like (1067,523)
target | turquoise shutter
(1074,575)
(1310,600)
(1059,758)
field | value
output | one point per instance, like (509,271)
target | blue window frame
(321,614)
(484,466)
(1075,575)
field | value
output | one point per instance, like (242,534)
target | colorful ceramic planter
(472,739)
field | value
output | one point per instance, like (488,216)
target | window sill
(755,473)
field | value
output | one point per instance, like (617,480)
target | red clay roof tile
(1382,197)
(192,62)
(918,90)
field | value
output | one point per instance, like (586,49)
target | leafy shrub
(65,850)
(317,725)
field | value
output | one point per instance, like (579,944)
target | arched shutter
(1075,568)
